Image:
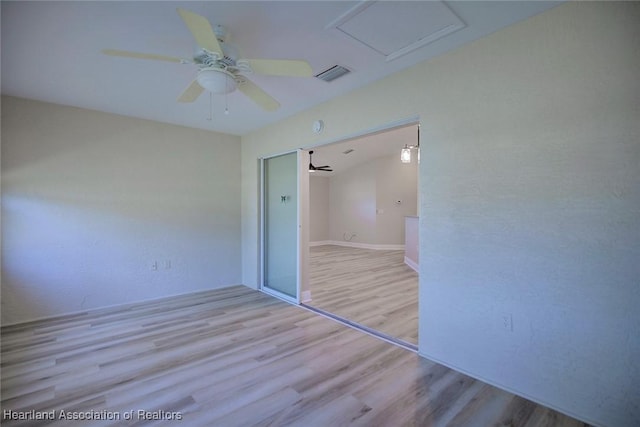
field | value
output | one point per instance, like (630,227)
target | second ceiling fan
(220,69)
(312,168)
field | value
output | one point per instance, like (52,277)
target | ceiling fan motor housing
(212,59)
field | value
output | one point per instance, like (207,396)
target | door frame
(410,120)
(302,185)
(362,133)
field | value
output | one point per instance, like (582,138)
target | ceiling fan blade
(191,93)
(127,54)
(256,94)
(202,31)
(281,67)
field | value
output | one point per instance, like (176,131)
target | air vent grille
(333,73)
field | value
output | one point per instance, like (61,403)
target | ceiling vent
(332,73)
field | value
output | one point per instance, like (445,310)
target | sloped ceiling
(364,149)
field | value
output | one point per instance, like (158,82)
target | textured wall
(319,208)
(352,200)
(531,211)
(363,201)
(395,182)
(91,200)
(529,203)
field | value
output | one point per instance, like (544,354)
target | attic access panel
(395,28)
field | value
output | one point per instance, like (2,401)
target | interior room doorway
(363,210)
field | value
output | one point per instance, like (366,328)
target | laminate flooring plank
(483,408)
(264,408)
(373,288)
(238,357)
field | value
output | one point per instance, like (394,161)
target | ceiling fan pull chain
(226,101)
(210,106)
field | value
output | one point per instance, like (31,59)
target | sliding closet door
(280,226)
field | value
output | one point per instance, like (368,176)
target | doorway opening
(363,233)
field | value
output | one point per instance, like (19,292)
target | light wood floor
(237,357)
(371,287)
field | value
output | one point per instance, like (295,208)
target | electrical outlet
(154,265)
(507,322)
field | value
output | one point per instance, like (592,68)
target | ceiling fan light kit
(221,71)
(217,81)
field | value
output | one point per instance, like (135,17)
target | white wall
(352,206)
(363,206)
(90,200)
(529,203)
(318,208)
(395,181)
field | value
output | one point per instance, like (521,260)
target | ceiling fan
(220,69)
(325,168)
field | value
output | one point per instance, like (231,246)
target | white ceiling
(51,51)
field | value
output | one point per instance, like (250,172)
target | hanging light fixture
(418,146)
(405,154)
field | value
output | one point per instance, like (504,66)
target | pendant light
(405,154)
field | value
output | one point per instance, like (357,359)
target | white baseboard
(121,304)
(320,243)
(359,245)
(511,390)
(411,263)
(305,296)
